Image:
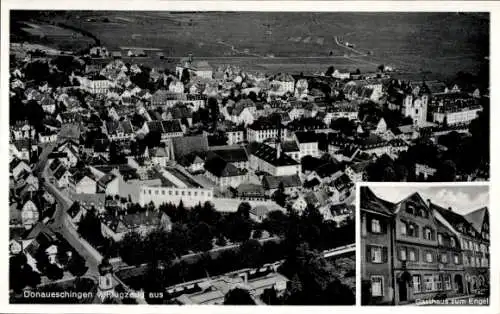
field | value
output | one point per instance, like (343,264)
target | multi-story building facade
(426,250)
(474,245)
(376,254)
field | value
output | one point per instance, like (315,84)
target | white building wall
(160,195)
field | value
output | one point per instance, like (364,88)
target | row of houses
(415,249)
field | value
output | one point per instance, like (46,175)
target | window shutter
(417,255)
(384,254)
(368,254)
(416,231)
(383,226)
(369,225)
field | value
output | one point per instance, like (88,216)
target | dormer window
(410,209)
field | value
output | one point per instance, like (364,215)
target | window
(376,254)
(157,192)
(402,254)
(182,193)
(478,261)
(403,228)
(412,254)
(176,192)
(464,244)
(195,193)
(413,230)
(440,239)
(471,247)
(444,258)
(189,193)
(149,192)
(428,282)
(472,261)
(162,192)
(428,257)
(377,286)
(409,209)
(455,259)
(427,234)
(447,282)
(452,242)
(170,192)
(417,283)
(201,193)
(438,281)
(376,226)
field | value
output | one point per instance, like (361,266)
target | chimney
(450,209)
(429,203)
(190,57)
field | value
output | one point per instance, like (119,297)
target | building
(377,282)
(308,144)
(263,129)
(431,250)
(83,182)
(224,173)
(472,231)
(175,186)
(265,158)
(167,128)
(415,107)
(198,68)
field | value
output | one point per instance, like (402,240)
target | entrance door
(403,291)
(459,284)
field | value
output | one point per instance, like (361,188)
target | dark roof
(306,137)
(108,177)
(289,146)
(189,144)
(272,182)
(60,172)
(221,168)
(477,217)
(369,201)
(458,221)
(263,124)
(231,155)
(268,154)
(328,169)
(74,209)
(311,183)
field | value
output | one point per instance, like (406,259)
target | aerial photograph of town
(196,158)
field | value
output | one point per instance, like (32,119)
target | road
(60,224)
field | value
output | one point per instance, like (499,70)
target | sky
(462,199)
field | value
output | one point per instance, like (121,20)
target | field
(438,42)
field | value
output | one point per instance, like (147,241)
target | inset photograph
(425,244)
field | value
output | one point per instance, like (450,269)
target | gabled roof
(273,182)
(458,221)
(306,137)
(230,154)
(369,201)
(221,168)
(477,218)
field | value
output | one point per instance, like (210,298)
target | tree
(77,266)
(201,237)
(131,248)
(446,172)
(237,228)
(257,234)
(53,272)
(330,71)
(185,76)
(358,71)
(279,195)
(381,68)
(244,209)
(250,252)
(238,296)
